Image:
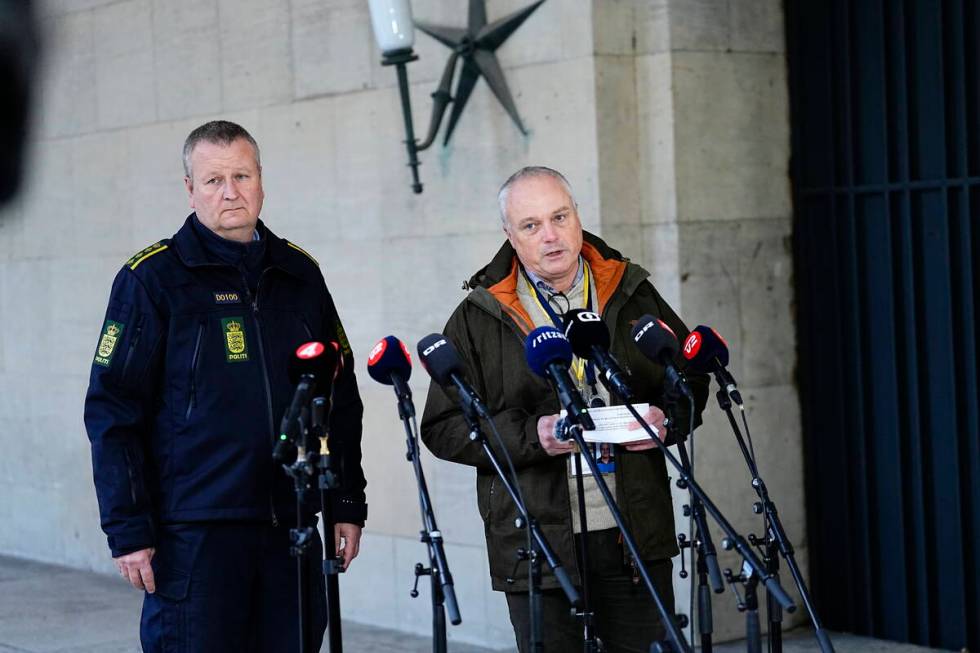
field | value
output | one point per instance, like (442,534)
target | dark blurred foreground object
(18,59)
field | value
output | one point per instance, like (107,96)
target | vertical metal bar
(955,60)
(886,534)
(970,439)
(885,452)
(972,134)
(935,298)
(410,144)
(941,427)
(963,289)
(835,284)
(917,608)
(853,299)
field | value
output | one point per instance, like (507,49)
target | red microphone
(707,352)
(313,368)
(391,364)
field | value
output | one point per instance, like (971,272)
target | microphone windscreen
(585,330)
(439,358)
(389,356)
(655,339)
(705,350)
(546,345)
(317,359)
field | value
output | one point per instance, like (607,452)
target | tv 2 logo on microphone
(377,352)
(588,316)
(692,345)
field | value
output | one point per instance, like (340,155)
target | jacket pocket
(177,552)
(195,357)
(133,343)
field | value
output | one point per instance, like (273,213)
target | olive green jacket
(488,329)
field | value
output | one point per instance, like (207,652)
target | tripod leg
(705,620)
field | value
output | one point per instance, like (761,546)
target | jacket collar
(279,254)
(498,279)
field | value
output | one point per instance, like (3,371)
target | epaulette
(146,253)
(304,252)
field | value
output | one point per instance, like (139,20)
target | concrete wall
(669,118)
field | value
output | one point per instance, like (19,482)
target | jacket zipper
(132,348)
(265,377)
(507,318)
(194,359)
(493,483)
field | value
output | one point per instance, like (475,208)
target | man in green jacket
(549,266)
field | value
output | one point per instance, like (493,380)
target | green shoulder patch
(111,333)
(145,253)
(304,252)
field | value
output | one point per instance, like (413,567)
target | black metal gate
(886,181)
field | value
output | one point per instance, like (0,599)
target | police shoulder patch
(236,342)
(146,253)
(304,252)
(111,333)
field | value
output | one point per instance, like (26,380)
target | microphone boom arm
(732,538)
(476,434)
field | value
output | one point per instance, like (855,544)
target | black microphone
(548,355)
(390,363)
(707,352)
(658,343)
(589,338)
(441,360)
(312,368)
(321,361)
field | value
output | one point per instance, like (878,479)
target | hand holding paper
(655,418)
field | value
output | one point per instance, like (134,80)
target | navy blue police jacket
(189,382)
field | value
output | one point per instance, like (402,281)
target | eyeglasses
(560,303)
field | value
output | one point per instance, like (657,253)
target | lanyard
(579,367)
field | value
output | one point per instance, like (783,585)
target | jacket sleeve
(349,501)
(445,431)
(118,405)
(697,382)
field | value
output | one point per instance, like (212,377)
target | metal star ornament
(476,44)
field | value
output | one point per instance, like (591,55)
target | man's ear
(189,185)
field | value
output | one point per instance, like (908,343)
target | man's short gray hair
(217,132)
(528,173)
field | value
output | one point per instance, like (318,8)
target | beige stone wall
(670,120)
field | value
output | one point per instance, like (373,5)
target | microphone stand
(539,544)
(443,593)
(732,539)
(591,644)
(327,481)
(707,558)
(776,541)
(302,537)
(675,638)
(749,605)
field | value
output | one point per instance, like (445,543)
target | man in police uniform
(188,380)
(548,266)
